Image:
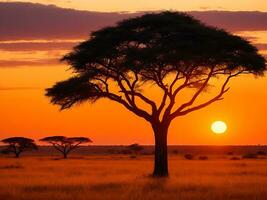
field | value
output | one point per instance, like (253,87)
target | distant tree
(203,157)
(135,148)
(189,156)
(171,51)
(65,144)
(17,145)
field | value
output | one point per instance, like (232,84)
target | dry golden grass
(115,178)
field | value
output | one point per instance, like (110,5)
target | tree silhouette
(171,51)
(17,145)
(65,144)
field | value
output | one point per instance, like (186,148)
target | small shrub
(189,156)
(234,158)
(133,156)
(261,153)
(135,148)
(250,156)
(203,158)
(175,151)
(56,159)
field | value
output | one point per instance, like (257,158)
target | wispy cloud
(29,63)
(37,21)
(36,46)
(234,20)
(19,88)
(39,35)
(261,46)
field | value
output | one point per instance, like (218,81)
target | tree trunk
(161,151)
(16,155)
(65,155)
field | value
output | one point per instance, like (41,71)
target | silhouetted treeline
(179,150)
(17,145)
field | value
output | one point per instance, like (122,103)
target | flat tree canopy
(169,50)
(65,144)
(17,145)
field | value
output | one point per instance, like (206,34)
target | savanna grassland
(118,177)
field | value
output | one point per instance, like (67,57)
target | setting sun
(149,99)
(219,127)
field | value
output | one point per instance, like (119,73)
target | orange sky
(26,112)
(133,5)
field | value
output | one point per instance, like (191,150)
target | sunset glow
(132,6)
(29,63)
(219,127)
(127,99)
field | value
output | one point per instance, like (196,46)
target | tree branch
(197,93)
(139,112)
(73,147)
(57,146)
(218,97)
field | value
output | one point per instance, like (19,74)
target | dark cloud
(37,21)
(29,63)
(262,46)
(250,38)
(36,46)
(234,20)
(29,21)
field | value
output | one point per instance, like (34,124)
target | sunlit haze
(29,63)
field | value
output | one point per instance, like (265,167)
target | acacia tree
(171,51)
(65,144)
(17,145)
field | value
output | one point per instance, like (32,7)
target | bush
(135,148)
(261,153)
(234,158)
(203,158)
(133,156)
(189,156)
(250,156)
(175,151)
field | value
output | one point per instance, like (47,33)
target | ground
(118,177)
